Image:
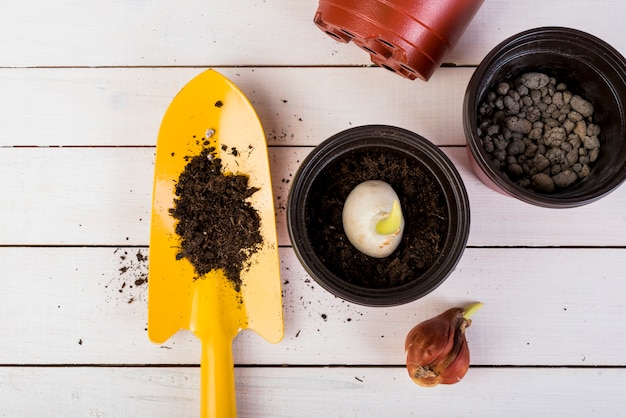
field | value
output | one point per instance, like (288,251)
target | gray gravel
(538,132)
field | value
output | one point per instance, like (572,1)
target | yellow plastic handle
(217,315)
(218,399)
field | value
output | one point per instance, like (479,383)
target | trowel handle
(217,371)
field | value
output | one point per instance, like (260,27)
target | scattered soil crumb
(132,274)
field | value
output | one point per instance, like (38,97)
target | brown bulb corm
(436,349)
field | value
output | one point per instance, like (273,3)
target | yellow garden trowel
(211,111)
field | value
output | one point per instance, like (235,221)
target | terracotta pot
(408,37)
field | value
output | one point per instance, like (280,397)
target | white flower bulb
(372,218)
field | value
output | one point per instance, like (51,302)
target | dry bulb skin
(436,349)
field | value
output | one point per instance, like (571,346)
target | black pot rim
(527,44)
(397,140)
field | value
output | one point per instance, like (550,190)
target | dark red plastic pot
(389,140)
(408,37)
(591,68)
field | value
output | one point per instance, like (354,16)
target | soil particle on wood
(423,207)
(218,226)
(132,274)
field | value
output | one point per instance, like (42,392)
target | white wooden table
(83,88)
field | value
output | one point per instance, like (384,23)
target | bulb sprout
(470,309)
(392,221)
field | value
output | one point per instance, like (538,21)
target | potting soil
(423,208)
(219,228)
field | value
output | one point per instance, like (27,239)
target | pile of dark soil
(219,228)
(423,207)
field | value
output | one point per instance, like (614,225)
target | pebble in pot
(538,132)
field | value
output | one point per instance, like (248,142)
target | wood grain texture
(555,307)
(84,88)
(269,32)
(113,106)
(305,392)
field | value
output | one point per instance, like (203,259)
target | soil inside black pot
(423,206)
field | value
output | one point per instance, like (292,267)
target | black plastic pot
(391,140)
(591,68)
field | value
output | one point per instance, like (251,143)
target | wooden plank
(313,392)
(102,196)
(69,196)
(555,307)
(112,106)
(271,32)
